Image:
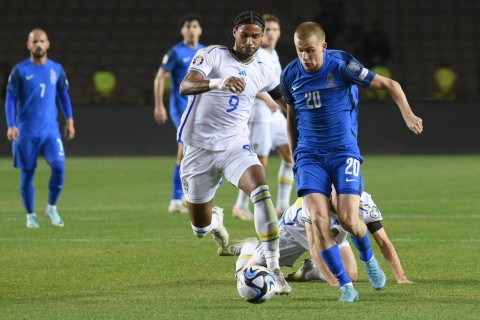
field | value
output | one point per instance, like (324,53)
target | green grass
(122,256)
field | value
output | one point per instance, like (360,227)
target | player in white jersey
(222,84)
(268,128)
(296,238)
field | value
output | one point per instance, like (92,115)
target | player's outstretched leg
(375,274)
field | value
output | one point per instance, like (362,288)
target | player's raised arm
(395,91)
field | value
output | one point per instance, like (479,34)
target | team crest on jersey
(198,60)
(354,66)
(331,81)
(334,232)
(53,76)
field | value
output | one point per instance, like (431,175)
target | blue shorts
(27,149)
(317,171)
(176,110)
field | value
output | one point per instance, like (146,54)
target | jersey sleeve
(353,71)
(204,60)
(13,83)
(62,83)
(169,60)
(271,80)
(287,94)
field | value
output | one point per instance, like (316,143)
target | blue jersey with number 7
(35,88)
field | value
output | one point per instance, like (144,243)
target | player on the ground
(175,65)
(222,83)
(269,129)
(317,88)
(30,105)
(296,238)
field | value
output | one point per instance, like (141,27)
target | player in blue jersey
(318,90)
(175,64)
(30,106)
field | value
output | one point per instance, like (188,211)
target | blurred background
(431,47)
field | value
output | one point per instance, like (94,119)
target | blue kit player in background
(175,64)
(31,111)
(319,88)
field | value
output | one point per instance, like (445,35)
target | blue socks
(56,181)
(26,189)
(177,191)
(333,260)
(363,246)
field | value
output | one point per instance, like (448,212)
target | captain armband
(216,84)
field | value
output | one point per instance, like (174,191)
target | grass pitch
(122,256)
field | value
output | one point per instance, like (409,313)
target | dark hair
(188,18)
(249,17)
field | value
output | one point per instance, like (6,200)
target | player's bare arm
(395,91)
(12,133)
(195,83)
(390,255)
(69,130)
(160,113)
(271,104)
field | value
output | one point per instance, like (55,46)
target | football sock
(201,232)
(242,200)
(27,191)
(266,224)
(363,246)
(245,254)
(285,184)
(177,191)
(333,260)
(56,181)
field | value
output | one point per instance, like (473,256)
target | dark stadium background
(130,38)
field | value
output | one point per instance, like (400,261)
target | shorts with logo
(26,150)
(315,170)
(201,169)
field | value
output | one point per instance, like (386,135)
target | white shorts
(267,135)
(201,169)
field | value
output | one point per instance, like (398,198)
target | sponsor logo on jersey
(29,77)
(198,60)
(243,73)
(186,59)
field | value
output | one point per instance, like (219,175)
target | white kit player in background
(222,84)
(268,128)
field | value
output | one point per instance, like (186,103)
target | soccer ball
(256,284)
